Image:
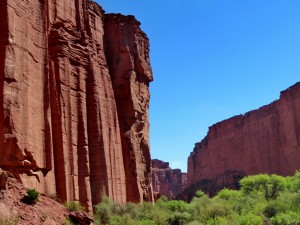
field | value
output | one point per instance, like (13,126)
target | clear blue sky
(211,60)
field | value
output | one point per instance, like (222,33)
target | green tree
(269,185)
(293,182)
(176,206)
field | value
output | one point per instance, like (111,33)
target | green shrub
(9,221)
(113,220)
(289,218)
(216,221)
(103,213)
(73,206)
(263,199)
(176,206)
(162,198)
(122,220)
(133,209)
(108,212)
(270,211)
(217,209)
(199,194)
(198,206)
(275,207)
(293,182)
(67,221)
(194,222)
(249,203)
(230,195)
(146,222)
(250,219)
(32,197)
(178,218)
(159,216)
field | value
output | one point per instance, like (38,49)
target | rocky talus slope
(266,140)
(74,100)
(166,181)
(47,211)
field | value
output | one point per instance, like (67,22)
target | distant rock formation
(166,181)
(74,100)
(266,140)
(229,179)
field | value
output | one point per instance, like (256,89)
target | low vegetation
(32,197)
(73,206)
(10,221)
(262,200)
(67,221)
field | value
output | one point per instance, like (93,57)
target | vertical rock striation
(266,140)
(166,181)
(127,50)
(61,102)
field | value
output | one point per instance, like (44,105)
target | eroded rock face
(230,179)
(127,50)
(266,140)
(61,102)
(166,181)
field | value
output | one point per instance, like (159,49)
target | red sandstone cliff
(74,100)
(127,50)
(266,140)
(166,181)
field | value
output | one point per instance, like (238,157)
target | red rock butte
(266,140)
(74,100)
(166,181)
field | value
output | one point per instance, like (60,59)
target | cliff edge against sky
(74,100)
(266,140)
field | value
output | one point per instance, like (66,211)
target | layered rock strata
(266,140)
(127,51)
(230,179)
(166,181)
(74,115)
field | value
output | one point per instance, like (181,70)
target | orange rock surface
(127,50)
(166,181)
(266,140)
(74,113)
(46,210)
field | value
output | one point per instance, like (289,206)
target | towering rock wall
(166,181)
(127,50)
(61,101)
(266,140)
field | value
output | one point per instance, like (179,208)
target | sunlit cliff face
(67,128)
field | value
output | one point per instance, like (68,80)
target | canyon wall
(74,100)
(166,181)
(127,50)
(266,140)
